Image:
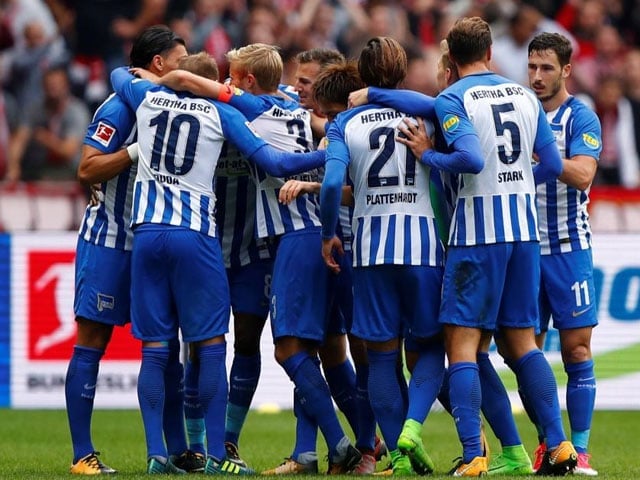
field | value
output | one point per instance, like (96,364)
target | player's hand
(143,73)
(292,189)
(329,248)
(96,195)
(414,136)
(359,97)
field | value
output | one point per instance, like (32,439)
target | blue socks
(581,397)
(443,394)
(151,396)
(244,376)
(366,420)
(342,385)
(315,397)
(496,405)
(306,431)
(193,414)
(173,419)
(426,381)
(214,390)
(385,393)
(539,386)
(466,397)
(79,390)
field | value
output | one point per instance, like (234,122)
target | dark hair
(555,42)
(336,82)
(468,40)
(321,56)
(383,63)
(156,40)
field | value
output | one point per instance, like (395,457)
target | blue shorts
(250,287)
(567,291)
(178,281)
(299,287)
(103,283)
(341,298)
(492,286)
(393,300)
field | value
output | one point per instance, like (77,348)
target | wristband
(225,93)
(132,150)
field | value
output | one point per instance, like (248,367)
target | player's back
(236,210)
(285,125)
(393,217)
(180,138)
(498,203)
(107,222)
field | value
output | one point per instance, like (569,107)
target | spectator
(510,48)
(30,61)
(47,143)
(16,14)
(207,26)
(609,58)
(619,162)
(8,123)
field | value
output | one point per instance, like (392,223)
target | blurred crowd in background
(56,56)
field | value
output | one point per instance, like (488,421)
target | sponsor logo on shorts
(577,313)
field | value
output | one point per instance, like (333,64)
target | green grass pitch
(35,444)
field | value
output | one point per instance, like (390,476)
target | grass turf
(35,444)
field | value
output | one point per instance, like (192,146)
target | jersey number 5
(504,126)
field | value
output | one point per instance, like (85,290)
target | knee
(576,353)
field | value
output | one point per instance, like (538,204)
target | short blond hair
(201,64)
(262,61)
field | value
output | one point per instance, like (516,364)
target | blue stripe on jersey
(357,254)
(531,219)
(285,214)
(552,214)
(375,239)
(167,212)
(151,202)
(136,199)
(424,235)
(498,213)
(185,201)
(389,243)
(268,218)
(205,219)
(119,208)
(478,219)
(460,224)
(513,210)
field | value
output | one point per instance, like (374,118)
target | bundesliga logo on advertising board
(51,321)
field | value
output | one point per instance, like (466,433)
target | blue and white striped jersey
(393,219)
(236,210)
(180,138)
(286,126)
(108,223)
(562,210)
(498,203)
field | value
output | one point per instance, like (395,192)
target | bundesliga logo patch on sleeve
(103,134)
